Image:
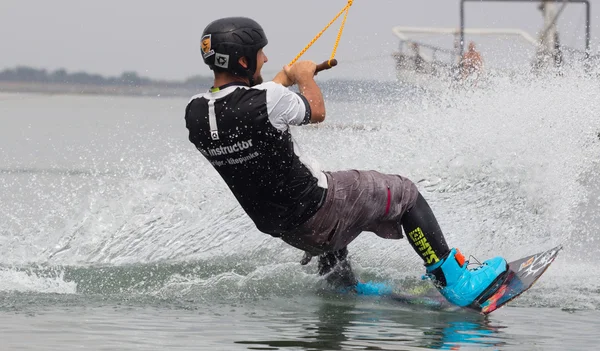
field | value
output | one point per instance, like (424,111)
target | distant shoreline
(350,90)
(94,89)
(24,79)
(29,80)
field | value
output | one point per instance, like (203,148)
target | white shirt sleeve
(285,107)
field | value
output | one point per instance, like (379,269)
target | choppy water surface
(116,234)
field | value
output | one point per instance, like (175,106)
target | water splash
(509,169)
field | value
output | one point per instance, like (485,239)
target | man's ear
(243,61)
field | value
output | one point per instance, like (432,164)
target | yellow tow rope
(331,62)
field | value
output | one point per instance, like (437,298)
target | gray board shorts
(356,201)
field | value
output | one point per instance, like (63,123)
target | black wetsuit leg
(424,233)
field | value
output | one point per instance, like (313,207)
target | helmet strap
(250,70)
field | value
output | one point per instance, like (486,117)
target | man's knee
(404,194)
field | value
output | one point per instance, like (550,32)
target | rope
(346,9)
(339,36)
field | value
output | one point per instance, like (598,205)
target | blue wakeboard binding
(464,286)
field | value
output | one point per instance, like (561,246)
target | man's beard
(258,80)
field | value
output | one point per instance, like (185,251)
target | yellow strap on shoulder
(345,10)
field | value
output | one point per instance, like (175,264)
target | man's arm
(283,79)
(311,91)
(303,73)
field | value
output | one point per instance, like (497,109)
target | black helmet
(226,40)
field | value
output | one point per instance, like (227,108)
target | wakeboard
(520,276)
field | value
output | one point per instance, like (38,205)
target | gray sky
(160,39)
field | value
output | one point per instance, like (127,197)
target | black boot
(336,267)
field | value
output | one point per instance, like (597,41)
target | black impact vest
(244,133)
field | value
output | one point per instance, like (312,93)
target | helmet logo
(206,46)
(222,60)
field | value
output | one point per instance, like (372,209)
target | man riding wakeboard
(242,127)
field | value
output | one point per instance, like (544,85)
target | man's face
(261,58)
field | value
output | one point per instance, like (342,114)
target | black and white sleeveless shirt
(244,133)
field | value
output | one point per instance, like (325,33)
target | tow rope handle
(332,62)
(326,65)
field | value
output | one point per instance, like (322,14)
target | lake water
(115,233)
